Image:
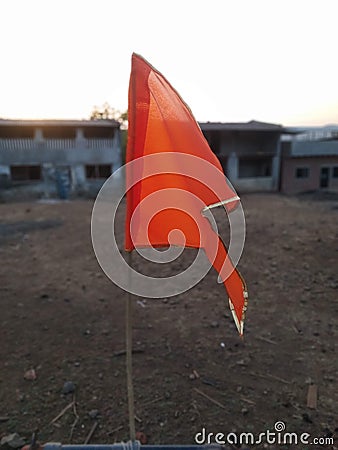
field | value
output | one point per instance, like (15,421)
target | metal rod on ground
(129,351)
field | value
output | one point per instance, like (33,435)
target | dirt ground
(62,317)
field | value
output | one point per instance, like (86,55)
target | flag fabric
(177,179)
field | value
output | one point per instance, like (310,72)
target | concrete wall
(248,143)
(37,153)
(253,184)
(247,184)
(292,185)
(56,181)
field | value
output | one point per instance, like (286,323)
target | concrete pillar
(5,175)
(48,180)
(78,176)
(38,136)
(117,150)
(232,167)
(5,170)
(79,133)
(276,163)
(80,139)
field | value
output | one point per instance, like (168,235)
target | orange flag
(175,179)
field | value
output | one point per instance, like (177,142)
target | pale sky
(231,60)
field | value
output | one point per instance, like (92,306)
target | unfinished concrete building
(57,157)
(310,160)
(250,153)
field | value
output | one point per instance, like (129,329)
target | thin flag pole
(129,354)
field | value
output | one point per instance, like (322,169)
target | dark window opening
(254,167)
(25,173)
(17,132)
(224,163)
(324,177)
(58,132)
(335,172)
(213,139)
(98,171)
(302,172)
(98,132)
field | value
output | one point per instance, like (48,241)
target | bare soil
(61,316)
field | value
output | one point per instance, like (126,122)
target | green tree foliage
(107,112)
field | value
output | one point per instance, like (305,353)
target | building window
(302,172)
(213,139)
(224,163)
(58,132)
(335,172)
(98,171)
(16,132)
(26,173)
(98,132)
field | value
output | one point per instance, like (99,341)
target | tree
(106,111)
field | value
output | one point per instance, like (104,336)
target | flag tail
(232,281)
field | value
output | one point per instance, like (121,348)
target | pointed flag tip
(239,323)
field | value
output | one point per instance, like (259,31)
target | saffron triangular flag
(177,179)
